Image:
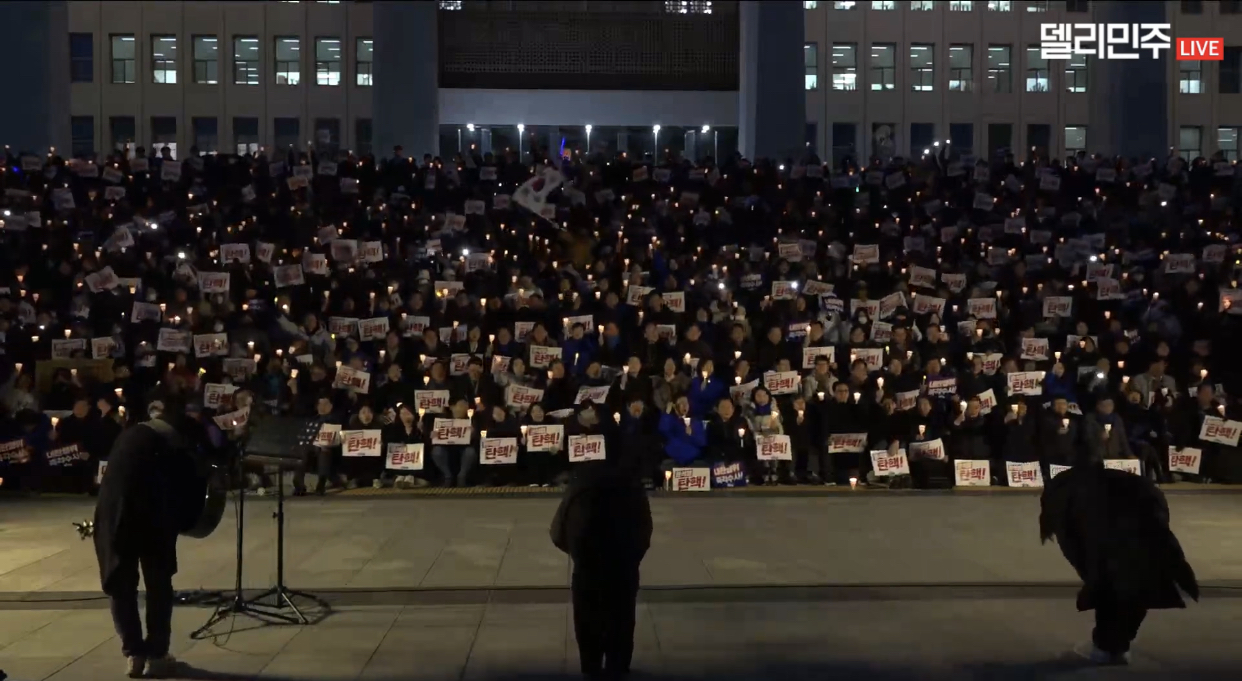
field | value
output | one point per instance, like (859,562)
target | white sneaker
(1096,656)
(262,491)
(377,484)
(162,667)
(135,666)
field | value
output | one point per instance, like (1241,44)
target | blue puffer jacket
(679,446)
(704,395)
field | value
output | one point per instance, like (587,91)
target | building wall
(942,27)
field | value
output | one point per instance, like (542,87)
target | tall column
(771,94)
(36,77)
(1133,105)
(406,96)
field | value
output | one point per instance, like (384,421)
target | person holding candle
(1059,434)
(685,438)
(706,389)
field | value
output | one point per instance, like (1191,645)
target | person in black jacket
(604,524)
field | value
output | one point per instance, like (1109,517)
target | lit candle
(617,417)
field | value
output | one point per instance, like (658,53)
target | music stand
(275,441)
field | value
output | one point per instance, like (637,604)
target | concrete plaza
(883,586)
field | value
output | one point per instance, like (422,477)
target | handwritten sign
(499,451)
(972,473)
(451,432)
(884,464)
(692,479)
(1024,474)
(586,448)
(1025,383)
(404,457)
(930,449)
(773,448)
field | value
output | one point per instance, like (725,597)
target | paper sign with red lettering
(211,344)
(1058,306)
(329,435)
(1132,466)
(342,326)
(499,451)
(781,382)
(987,401)
(956,281)
(907,400)
(586,448)
(884,464)
(1108,289)
(1220,431)
(102,348)
(213,282)
(234,420)
(789,251)
(103,280)
(871,307)
(773,448)
(692,480)
(145,312)
(264,251)
(231,253)
(542,356)
(866,254)
(451,432)
(741,393)
(1035,348)
(522,397)
(431,400)
(923,277)
(372,329)
(930,449)
(1185,460)
(847,443)
(63,348)
(872,357)
(588,321)
(927,305)
(239,368)
(352,379)
(521,330)
(500,364)
(547,438)
(404,457)
(981,308)
(595,394)
(459,363)
(173,340)
(810,354)
(815,287)
(634,295)
(784,290)
(288,275)
(971,473)
(362,442)
(1026,474)
(1098,270)
(992,363)
(218,396)
(1179,263)
(372,251)
(1025,382)
(675,300)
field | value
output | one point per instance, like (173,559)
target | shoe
(135,666)
(262,491)
(299,491)
(829,483)
(377,484)
(351,484)
(1096,656)
(162,667)
(416,482)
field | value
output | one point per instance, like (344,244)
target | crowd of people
(487,319)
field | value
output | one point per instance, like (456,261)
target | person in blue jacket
(1058,384)
(706,390)
(684,436)
(578,350)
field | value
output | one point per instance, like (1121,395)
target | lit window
(328,61)
(961,68)
(961,6)
(844,66)
(1190,142)
(245,60)
(844,4)
(206,59)
(922,68)
(883,74)
(364,61)
(1037,5)
(1000,6)
(921,5)
(164,59)
(1036,70)
(1000,73)
(1227,143)
(810,56)
(670,6)
(288,61)
(1076,73)
(450,4)
(809,4)
(883,5)
(1075,139)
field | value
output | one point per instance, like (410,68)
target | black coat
(604,521)
(142,502)
(1113,527)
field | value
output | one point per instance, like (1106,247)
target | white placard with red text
(773,448)
(1220,431)
(972,473)
(847,443)
(1024,474)
(884,464)
(930,449)
(498,451)
(549,438)
(1185,460)
(362,442)
(586,448)
(692,480)
(404,457)
(451,432)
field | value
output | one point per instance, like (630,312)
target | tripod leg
(289,602)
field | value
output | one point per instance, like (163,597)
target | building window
(922,68)
(883,66)
(1000,70)
(1230,7)
(1075,139)
(1036,70)
(288,132)
(1000,6)
(844,4)
(672,6)
(164,134)
(206,134)
(1000,138)
(922,138)
(164,59)
(328,134)
(1227,142)
(1076,73)
(82,132)
(810,56)
(123,130)
(1190,77)
(124,64)
(82,57)
(961,71)
(1037,5)
(1192,6)
(883,5)
(1039,137)
(328,61)
(288,61)
(961,6)
(1231,71)
(365,62)
(963,137)
(1190,142)
(883,143)
(806,4)
(362,136)
(245,60)
(206,60)
(451,5)
(844,66)
(1079,6)
(844,140)
(245,135)
(921,5)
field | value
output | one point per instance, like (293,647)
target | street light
(521,131)
(588,130)
(655,134)
(470,127)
